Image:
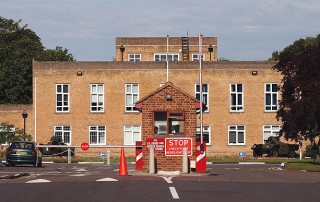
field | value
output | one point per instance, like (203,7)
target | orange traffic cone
(123,165)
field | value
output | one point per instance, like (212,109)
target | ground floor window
(63,132)
(236,135)
(97,135)
(270,130)
(206,134)
(131,135)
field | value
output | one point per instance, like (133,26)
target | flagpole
(201,96)
(167,57)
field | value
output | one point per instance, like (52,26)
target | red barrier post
(201,160)
(138,155)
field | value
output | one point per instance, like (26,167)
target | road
(89,182)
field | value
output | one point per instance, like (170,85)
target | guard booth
(169,121)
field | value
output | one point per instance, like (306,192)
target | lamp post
(24,116)
(122,49)
(210,49)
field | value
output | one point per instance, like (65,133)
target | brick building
(156,48)
(94,101)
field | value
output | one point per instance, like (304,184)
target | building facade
(94,102)
(159,48)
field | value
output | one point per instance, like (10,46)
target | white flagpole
(167,58)
(201,96)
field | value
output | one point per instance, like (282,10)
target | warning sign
(174,146)
(157,143)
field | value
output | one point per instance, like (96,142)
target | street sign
(174,146)
(157,143)
(84,146)
(102,155)
(242,154)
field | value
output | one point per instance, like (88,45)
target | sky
(246,30)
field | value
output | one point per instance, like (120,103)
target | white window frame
(100,134)
(272,107)
(133,57)
(163,57)
(65,131)
(205,131)
(134,97)
(237,107)
(195,57)
(272,130)
(237,130)
(205,95)
(132,132)
(65,103)
(98,96)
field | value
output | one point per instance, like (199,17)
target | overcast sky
(246,29)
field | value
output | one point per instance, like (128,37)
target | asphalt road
(74,182)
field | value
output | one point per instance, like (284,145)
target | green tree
(9,133)
(19,46)
(299,109)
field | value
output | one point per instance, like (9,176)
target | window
(205,95)
(62,93)
(171,123)
(236,97)
(97,98)
(270,131)
(271,96)
(132,96)
(163,57)
(134,57)
(63,132)
(132,134)
(206,134)
(236,135)
(97,135)
(195,57)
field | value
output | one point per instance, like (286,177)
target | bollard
(108,157)
(151,160)
(69,155)
(185,160)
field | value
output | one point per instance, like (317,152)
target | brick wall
(157,102)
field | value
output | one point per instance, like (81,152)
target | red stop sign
(84,146)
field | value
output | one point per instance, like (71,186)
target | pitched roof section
(138,104)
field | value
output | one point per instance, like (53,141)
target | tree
(9,133)
(299,109)
(19,46)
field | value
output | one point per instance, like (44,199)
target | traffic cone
(123,165)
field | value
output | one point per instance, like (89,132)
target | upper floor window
(163,57)
(132,96)
(134,57)
(205,95)
(236,97)
(270,131)
(205,133)
(236,135)
(171,123)
(97,135)
(97,98)
(63,132)
(62,98)
(271,96)
(195,57)
(132,134)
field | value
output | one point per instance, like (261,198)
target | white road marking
(38,181)
(174,193)
(168,179)
(232,168)
(108,179)
(81,170)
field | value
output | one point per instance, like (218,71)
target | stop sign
(84,146)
